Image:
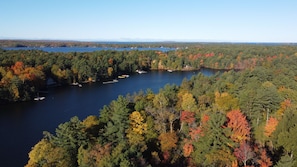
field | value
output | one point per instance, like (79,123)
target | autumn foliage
(188,148)
(20,82)
(168,141)
(264,160)
(232,118)
(270,126)
(239,126)
(187,116)
(244,152)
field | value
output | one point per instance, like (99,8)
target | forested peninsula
(245,116)
(23,73)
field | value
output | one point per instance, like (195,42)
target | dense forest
(245,116)
(24,73)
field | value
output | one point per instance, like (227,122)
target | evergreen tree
(118,123)
(284,137)
(215,144)
(70,136)
(286,161)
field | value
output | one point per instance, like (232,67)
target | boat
(39,98)
(108,82)
(141,71)
(76,84)
(123,76)
(170,70)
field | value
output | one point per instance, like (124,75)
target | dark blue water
(86,49)
(22,124)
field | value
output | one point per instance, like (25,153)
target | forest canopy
(245,116)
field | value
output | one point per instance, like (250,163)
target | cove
(22,124)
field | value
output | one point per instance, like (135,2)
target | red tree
(239,126)
(196,132)
(187,116)
(188,149)
(265,161)
(204,119)
(18,67)
(244,152)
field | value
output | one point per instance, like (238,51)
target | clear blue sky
(150,20)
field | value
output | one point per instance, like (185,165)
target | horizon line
(142,40)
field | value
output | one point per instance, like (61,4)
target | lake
(22,124)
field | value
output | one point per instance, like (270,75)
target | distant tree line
(69,43)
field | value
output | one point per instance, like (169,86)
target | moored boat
(39,98)
(108,82)
(123,76)
(141,71)
(76,84)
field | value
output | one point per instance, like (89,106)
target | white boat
(39,98)
(170,70)
(74,83)
(123,76)
(108,82)
(141,71)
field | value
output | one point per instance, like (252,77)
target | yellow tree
(220,157)
(110,71)
(137,128)
(188,102)
(168,141)
(136,123)
(91,125)
(46,155)
(180,95)
(15,92)
(90,121)
(225,102)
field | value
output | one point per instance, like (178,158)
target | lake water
(22,124)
